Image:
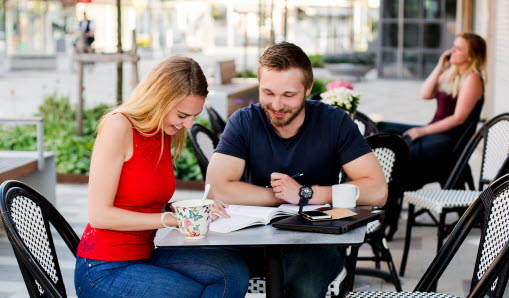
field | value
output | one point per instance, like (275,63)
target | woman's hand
(415,133)
(443,62)
(219,208)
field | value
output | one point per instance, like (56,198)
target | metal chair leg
(441,231)
(390,264)
(408,237)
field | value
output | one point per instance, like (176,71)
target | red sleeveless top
(146,184)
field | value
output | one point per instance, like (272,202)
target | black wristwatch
(305,194)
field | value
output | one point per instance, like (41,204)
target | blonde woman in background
(457,83)
(131,179)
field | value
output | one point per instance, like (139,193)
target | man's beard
(277,122)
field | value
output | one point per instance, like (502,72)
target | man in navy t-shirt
(285,135)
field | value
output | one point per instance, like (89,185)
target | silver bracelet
(162,219)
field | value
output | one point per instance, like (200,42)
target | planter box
(83,179)
(347,69)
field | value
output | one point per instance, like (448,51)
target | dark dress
(433,157)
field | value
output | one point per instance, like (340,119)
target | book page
(235,222)
(261,212)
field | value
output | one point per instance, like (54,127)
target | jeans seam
(91,283)
(206,264)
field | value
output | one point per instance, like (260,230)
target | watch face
(306,192)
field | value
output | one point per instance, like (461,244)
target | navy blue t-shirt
(327,139)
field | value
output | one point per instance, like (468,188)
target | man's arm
(224,173)
(365,172)
(368,175)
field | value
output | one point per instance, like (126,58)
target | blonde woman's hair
(477,53)
(162,89)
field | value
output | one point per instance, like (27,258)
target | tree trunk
(120,69)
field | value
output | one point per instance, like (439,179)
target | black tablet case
(334,226)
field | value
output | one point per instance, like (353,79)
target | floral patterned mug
(194,217)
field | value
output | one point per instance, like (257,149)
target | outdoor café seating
(494,137)
(216,122)
(490,271)
(27,217)
(392,152)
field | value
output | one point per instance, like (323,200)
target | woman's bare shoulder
(117,126)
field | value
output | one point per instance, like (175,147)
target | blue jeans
(431,157)
(307,270)
(178,272)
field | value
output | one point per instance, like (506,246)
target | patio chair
(391,151)
(453,198)
(204,142)
(217,123)
(27,216)
(491,270)
(366,126)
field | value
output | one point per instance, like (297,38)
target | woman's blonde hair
(477,54)
(162,89)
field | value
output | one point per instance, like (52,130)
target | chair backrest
(27,216)
(204,142)
(491,270)
(217,123)
(366,126)
(391,151)
(495,134)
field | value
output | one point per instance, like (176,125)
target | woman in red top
(131,179)
(458,85)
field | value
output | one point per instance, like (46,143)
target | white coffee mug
(344,195)
(194,217)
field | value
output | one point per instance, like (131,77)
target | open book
(246,216)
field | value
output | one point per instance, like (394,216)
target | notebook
(334,226)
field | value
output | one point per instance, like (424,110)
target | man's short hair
(285,55)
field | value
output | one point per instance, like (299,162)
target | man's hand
(285,188)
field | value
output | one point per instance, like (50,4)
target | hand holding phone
(314,215)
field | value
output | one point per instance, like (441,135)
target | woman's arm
(114,146)
(470,92)
(430,85)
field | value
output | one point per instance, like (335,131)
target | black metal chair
(217,123)
(391,151)
(453,198)
(204,142)
(366,126)
(27,216)
(491,270)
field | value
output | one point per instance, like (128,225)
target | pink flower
(337,84)
(187,222)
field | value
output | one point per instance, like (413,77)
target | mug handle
(358,192)
(169,227)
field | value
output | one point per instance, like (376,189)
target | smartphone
(448,57)
(315,215)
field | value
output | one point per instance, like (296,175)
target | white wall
(500,75)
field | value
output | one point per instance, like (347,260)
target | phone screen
(315,215)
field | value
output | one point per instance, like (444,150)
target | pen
(293,177)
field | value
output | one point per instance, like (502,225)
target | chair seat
(438,199)
(373,226)
(397,294)
(257,284)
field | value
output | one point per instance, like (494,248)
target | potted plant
(355,64)
(341,94)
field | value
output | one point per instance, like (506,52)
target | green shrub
(360,58)
(249,74)
(316,60)
(319,86)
